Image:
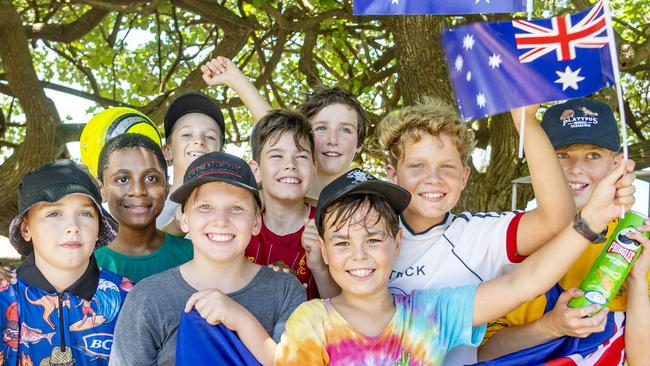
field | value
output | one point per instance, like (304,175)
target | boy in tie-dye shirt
(357,220)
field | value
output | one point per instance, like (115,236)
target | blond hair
(432,116)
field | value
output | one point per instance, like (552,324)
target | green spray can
(612,265)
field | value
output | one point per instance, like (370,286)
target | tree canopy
(142,54)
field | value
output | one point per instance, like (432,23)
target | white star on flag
(495,61)
(468,42)
(480,100)
(487,1)
(395,2)
(569,78)
(468,76)
(458,64)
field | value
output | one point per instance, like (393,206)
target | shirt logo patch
(98,344)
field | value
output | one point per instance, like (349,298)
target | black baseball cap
(50,183)
(193,103)
(360,181)
(216,167)
(581,121)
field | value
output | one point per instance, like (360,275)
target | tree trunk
(39,145)
(420,60)
(492,190)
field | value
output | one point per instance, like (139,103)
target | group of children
(308,261)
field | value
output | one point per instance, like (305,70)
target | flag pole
(521,132)
(529,8)
(617,75)
(613,55)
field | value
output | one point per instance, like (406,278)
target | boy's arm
(541,270)
(216,307)
(561,321)
(327,288)
(292,297)
(134,342)
(222,71)
(555,204)
(637,323)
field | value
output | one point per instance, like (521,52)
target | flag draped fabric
(414,7)
(604,348)
(497,66)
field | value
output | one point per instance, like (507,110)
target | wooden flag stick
(617,76)
(617,81)
(521,133)
(529,6)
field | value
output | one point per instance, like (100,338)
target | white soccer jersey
(463,249)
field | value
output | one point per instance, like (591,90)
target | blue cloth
(398,7)
(32,329)
(570,350)
(497,66)
(200,343)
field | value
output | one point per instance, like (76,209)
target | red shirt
(268,248)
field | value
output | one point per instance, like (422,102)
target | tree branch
(5,89)
(216,13)
(8,144)
(123,6)
(67,32)
(230,45)
(306,64)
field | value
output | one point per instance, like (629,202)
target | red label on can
(617,248)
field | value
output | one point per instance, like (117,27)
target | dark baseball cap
(216,167)
(359,181)
(581,121)
(50,183)
(193,103)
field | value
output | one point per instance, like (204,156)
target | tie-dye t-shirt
(425,326)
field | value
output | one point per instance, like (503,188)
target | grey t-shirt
(145,333)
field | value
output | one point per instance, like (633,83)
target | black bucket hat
(216,166)
(50,183)
(360,181)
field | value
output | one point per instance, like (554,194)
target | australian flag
(415,7)
(495,67)
(606,348)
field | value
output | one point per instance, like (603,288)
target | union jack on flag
(562,37)
(495,67)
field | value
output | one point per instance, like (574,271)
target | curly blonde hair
(432,116)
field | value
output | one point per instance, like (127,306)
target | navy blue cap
(359,181)
(216,166)
(581,121)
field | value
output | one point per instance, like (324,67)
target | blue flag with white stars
(497,66)
(415,7)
